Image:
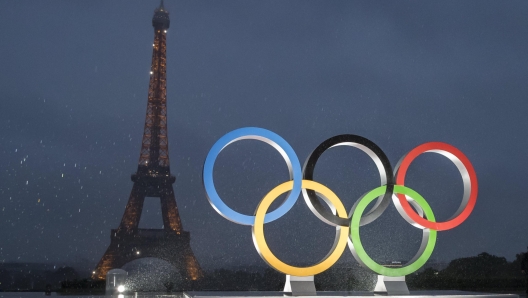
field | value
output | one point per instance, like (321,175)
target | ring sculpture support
(410,205)
(300,285)
(391,285)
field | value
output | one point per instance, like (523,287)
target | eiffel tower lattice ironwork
(153,179)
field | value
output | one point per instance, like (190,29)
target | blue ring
(262,135)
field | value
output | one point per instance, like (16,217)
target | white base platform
(355,294)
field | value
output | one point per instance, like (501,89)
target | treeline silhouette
(17,277)
(484,272)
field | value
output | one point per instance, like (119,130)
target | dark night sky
(74,79)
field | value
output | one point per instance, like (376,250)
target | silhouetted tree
(66,273)
(483,265)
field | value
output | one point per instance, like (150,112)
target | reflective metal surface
(428,236)
(259,240)
(404,199)
(391,285)
(266,136)
(379,158)
(300,286)
(469,179)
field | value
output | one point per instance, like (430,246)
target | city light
(121,289)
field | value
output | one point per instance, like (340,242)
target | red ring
(400,180)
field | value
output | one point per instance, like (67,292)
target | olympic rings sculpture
(347,225)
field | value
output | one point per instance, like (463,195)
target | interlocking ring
(428,236)
(340,240)
(469,178)
(379,158)
(265,136)
(402,196)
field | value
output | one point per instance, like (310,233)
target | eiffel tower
(153,179)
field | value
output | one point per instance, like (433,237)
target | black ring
(375,153)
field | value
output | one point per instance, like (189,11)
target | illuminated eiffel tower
(153,179)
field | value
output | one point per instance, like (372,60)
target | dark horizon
(75,80)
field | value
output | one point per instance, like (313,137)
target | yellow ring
(271,259)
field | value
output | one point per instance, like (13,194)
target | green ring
(356,241)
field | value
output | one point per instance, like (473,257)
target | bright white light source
(165,31)
(153,45)
(151,72)
(121,289)
(137,252)
(93,272)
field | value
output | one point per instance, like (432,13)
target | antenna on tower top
(161,17)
